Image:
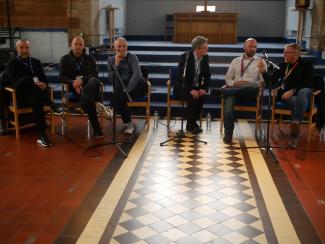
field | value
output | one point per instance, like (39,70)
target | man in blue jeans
(242,81)
(295,77)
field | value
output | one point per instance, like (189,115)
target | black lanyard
(28,65)
(78,64)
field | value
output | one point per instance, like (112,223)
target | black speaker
(302,4)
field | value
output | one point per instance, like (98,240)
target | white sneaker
(106,111)
(129,129)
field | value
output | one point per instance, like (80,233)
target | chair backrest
(145,72)
(172,75)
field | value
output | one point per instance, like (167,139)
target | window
(200,8)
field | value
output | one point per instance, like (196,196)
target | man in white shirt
(242,81)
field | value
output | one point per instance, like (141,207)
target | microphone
(266,58)
(265,55)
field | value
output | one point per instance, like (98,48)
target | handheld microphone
(265,55)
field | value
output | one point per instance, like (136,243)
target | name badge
(35,78)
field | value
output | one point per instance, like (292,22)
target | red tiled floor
(305,170)
(40,188)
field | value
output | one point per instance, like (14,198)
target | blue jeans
(299,103)
(247,92)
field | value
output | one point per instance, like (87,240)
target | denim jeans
(299,103)
(231,94)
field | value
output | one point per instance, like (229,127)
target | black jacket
(300,77)
(69,68)
(204,76)
(17,69)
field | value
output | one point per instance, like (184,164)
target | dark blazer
(204,76)
(17,70)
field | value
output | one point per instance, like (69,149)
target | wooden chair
(253,106)
(280,108)
(171,99)
(70,101)
(19,109)
(143,101)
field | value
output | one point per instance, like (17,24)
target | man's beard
(250,54)
(24,55)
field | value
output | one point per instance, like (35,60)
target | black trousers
(88,98)
(193,109)
(30,94)
(122,99)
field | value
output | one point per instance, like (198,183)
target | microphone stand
(117,77)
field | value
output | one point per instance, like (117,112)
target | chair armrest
(315,93)
(10,89)
(274,91)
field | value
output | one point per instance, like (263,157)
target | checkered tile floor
(188,192)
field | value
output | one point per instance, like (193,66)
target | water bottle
(208,121)
(155,119)
(322,134)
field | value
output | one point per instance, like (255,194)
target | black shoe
(98,134)
(198,128)
(57,109)
(192,129)
(217,91)
(227,138)
(44,141)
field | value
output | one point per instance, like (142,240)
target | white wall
(45,45)
(256,18)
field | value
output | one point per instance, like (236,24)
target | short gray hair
(22,40)
(120,38)
(294,46)
(198,41)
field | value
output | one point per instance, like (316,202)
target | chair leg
(16,125)
(168,115)
(222,118)
(52,122)
(148,115)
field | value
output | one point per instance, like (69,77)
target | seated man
(128,69)
(295,78)
(79,70)
(193,79)
(27,76)
(242,81)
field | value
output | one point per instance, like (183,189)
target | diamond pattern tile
(188,192)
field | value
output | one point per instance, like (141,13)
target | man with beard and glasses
(26,75)
(243,80)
